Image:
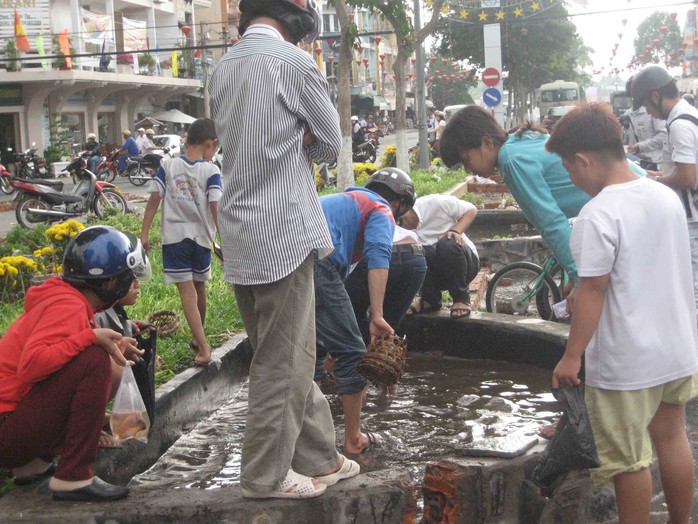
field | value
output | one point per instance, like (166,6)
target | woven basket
(165,321)
(384,361)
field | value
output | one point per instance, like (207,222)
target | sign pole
(493,59)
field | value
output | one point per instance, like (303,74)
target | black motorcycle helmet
(398,182)
(627,87)
(688,97)
(99,253)
(651,78)
(300,17)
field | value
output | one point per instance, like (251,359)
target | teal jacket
(542,188)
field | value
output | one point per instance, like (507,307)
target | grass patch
(222,319)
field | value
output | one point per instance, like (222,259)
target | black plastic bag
(144,371)
(572,447)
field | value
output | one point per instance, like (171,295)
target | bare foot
(547,432)
(203,357)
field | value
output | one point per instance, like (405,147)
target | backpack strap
(684,192)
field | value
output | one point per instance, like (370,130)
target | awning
(380,102)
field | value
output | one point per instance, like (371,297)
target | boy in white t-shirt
(189,187)
(633,316)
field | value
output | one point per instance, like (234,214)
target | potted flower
(12,54)
(124,63)
(146,63)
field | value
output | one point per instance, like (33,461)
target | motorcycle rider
(93,147)
(129,149)
(140,137)
(644,135)
(357,132)
(147,145)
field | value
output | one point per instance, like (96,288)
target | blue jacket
(361,224)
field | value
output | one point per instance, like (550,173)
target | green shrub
(473,198)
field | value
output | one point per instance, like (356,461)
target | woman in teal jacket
(537,180)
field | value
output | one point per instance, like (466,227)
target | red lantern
(330,42)
(620,35)
(624,21)
(358,61)
(453,66)
(366,62)
(351,16)
(360,49)
(318,51)
(431,79)
(381,56)
(453,77)
(414,61)
(186,30)
(234,40)
(433,59)
(377,40)
(682,51)
(445,61)
(656,42)
(437,72)
(673,16)
(330,59)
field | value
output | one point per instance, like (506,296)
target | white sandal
(294,486)
(349,469)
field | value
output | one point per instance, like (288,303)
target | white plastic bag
(129,418)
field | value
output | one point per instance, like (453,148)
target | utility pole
(204,67)
(419,95)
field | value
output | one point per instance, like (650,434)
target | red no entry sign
(490,77)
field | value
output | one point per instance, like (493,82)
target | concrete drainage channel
(467,490)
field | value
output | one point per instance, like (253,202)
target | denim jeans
(289,423)
(407,271)
(337,331)
(450,267)
(93,162)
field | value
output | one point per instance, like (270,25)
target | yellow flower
(37,253)
(48,251)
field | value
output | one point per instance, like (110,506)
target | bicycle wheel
(512,291)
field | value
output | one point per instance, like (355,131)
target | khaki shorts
(619,420)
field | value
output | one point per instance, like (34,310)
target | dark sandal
(422,309)
(460,312)
(374,441)
(25,481)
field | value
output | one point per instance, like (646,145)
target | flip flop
(348,470)
(294,486)
(374,441)
(422,309)
(460,312)
(107,441)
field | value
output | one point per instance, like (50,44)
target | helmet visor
(139,264)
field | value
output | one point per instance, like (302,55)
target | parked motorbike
(43,201)
(141,169)
(108,168)
(374,134)
(5,181)
(365,152)
(30,164)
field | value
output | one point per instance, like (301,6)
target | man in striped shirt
(274,117)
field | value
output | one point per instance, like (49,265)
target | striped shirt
(263,93)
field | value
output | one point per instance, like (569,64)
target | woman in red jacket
(55,371)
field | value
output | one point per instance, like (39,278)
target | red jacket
(56,325)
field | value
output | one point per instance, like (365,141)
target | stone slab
(382,497)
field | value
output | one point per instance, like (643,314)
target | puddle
(441,406)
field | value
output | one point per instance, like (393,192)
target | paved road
(8,220)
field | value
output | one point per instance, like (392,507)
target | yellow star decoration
(500,15)
(535,6)
(429,2)
(445,10)
(518,12)
(464,14)
(483,16)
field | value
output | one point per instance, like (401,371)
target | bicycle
(527,289)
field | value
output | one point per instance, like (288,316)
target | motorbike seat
(43,182)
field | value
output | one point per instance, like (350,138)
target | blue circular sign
(492,97)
